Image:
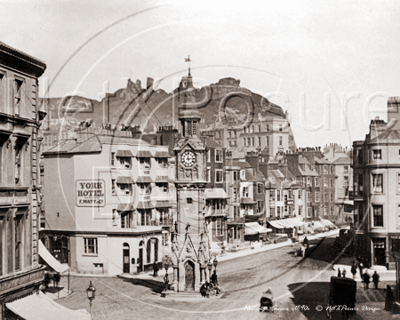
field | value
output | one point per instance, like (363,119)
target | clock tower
(190,153)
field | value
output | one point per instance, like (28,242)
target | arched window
(148,249)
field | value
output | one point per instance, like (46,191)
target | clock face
(188,158)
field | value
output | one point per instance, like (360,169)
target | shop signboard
(90,193)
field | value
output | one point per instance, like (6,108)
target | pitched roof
(241,164)
(387,136)
(342,160)
(210,143)
(321,161)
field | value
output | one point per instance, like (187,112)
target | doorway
(140,258)
(379,251)
(189,276)
(126,256)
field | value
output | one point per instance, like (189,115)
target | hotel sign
(90,193)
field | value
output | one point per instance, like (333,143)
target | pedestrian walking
(354,269)
(166,281)
(155,269)
(303,251)
(344,273)
(361,266)
(375,279)
(214,278)
(305,242)
(389,298)
(366,277)
(339,274)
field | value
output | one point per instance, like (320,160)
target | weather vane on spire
(188,60)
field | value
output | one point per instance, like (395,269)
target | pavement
(258,248)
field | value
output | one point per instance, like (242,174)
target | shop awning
(144,205)
(124,180)
(162,179)
(125,207)
(50,260)
(254,228)
(40,307)
(292,222)
(143,154)
(317,225)
(215,193)
(144,179)
(276,224)
(124,154)
(161,154)
(163,204)
(247,201)
(327,223)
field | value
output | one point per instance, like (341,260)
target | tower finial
(188,60)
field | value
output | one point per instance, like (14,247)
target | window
(90,245)
(309,182)
(331,197)
(325,197)
(325,182)
(113,192)
(245,192)
(234,194)
(332,210)
(148,251)
(278,211)
(398,219)
(259,128)
(309,198)
(17,96)
(144,163)
(2,98)
(309,212)
(189,200)
(299,194)
(218,176)
(234,134)
(218,155)
(267,127)
(325,169)
(236,175)
(346,169)
(18,166)
(325,211)
(377,154)
(332,169)
(18,244)
(125,162)
(145,188)
(208,155)
(217,134)
(112,159)
(144,217)
(260,188)
(378,215)
(377,183)
(267,141)
(331,182)
(317,181)
(280,140)
(398,183)
(260,206)
(244,142)
(219,228)
(280,127)
(300,210)
(248,141)
(164,240)
(126,218)
(163,187)
(208,174)
(162,162)
(252,129)
(360,156)
(271,195)
(259,141)
(346,180)
(278,195)
(230,134)
(317,198)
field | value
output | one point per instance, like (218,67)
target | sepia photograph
(171,159)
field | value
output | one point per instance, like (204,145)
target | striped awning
(161,154)
(125,207)
(143,154)
(162,179)
(124,154)
(124,180)
(163,204)
(144,179)
(144,205)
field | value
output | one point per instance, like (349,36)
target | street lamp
(215,263)
(91,292)
(166,266)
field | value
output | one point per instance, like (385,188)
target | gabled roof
(321,161)
(210,143)
(241,164)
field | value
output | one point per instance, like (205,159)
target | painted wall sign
(90,193)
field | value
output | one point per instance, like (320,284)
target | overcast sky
(312,53)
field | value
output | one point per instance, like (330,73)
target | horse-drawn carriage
(342,297)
